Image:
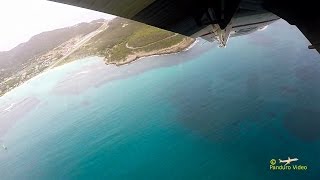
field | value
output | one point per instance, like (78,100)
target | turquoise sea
(206,113)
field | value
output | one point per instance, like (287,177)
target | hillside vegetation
(119,41)
(125,38)
(32,57)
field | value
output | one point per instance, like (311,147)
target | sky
(22,19)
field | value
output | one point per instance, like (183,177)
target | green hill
(124,38)
(28,59)
(119,41)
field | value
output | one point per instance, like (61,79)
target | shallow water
(207,113)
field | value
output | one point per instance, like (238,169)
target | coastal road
(139,47)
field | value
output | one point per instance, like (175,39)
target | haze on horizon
(20,19)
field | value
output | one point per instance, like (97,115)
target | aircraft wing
(189,17)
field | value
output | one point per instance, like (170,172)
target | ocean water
(206,113)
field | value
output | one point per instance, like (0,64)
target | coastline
(184,45)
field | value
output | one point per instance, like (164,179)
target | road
(139,47)
(80,43)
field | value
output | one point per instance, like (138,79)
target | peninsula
(123,41)
(119,41)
